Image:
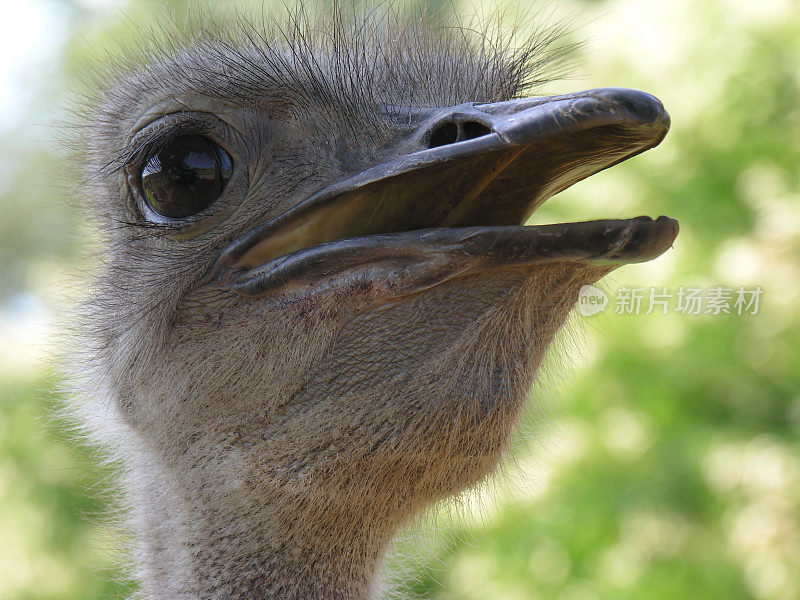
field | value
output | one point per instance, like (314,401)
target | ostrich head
(320,311)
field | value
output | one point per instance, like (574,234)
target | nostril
(446,133)
(473,129)
(451,132)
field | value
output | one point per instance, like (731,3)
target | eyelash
(135,157)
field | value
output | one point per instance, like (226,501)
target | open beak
(455,203)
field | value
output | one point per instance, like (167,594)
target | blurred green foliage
(49,489)
(669,463)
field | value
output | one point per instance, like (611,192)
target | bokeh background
(669,462)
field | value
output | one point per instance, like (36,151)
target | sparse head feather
(353,62)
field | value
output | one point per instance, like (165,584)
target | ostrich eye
(186,176)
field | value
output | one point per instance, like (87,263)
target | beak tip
(638,107)
(650,239)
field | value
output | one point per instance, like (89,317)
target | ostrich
(319,311)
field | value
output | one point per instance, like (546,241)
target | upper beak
(466,166)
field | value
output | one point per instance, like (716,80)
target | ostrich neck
(225,507)
(201,538)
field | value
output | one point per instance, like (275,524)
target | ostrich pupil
(186,176)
